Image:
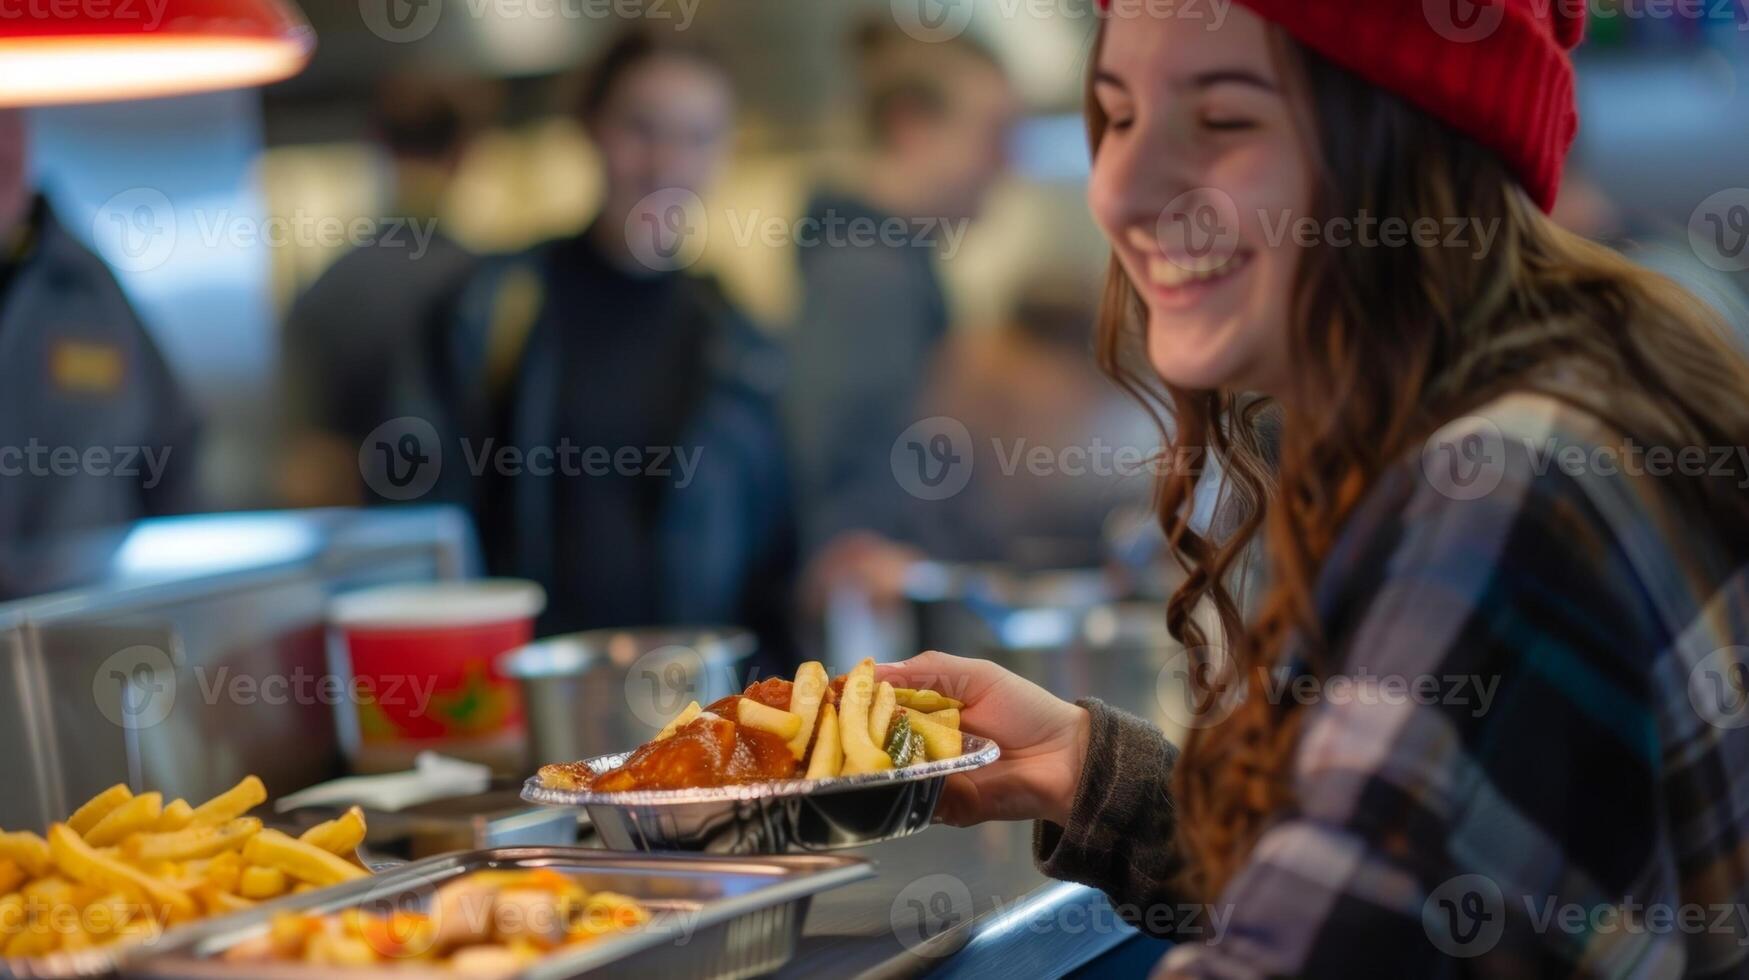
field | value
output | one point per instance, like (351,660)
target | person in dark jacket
(605,413)
(95,431)
(344,335)
(874,313)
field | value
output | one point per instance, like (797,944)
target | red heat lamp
(60,51)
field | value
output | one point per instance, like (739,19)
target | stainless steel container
(770,817)
(589,693)
(713,917)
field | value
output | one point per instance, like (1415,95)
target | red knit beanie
(1495,70)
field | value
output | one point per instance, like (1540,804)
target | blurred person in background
(655,490)
(1070,448)
(1586,208)
(873,315)
(343,337)
(94,429)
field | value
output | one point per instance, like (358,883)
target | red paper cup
(424,666)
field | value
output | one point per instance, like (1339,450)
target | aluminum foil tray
(772,817)
(713,918)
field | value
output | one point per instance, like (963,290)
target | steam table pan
(713,917)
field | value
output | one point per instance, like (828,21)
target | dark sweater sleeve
(1120,833)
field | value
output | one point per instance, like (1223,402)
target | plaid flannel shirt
(1588,818)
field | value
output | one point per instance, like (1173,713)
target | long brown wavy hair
(1388,344)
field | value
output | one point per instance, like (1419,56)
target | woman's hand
(1043,740)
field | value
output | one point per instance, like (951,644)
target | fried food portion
(815,726)
(123,868)
(487,923)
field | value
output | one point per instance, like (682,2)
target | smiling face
(1200,163)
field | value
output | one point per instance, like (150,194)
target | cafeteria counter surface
(956,902)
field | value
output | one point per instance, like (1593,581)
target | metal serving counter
(956,902)
(121,652)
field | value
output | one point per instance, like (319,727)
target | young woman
(1479,478)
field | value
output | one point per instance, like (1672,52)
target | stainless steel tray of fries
(701,917)
(768,817)
(127,871)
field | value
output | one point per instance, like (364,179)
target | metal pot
(604,691)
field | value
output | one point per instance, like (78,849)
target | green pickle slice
(903,745)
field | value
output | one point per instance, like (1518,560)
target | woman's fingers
(962,678)
(959,802)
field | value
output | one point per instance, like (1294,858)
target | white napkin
(433,777)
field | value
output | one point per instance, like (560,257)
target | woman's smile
(1182,283)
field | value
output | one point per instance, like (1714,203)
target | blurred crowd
(617,427)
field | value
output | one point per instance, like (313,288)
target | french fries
(137,814)
(258,882)
(939,741)
(764,717)
(98,807)
(234,802)
(28,851)
(177,815)
(342,835)
(925,701)
(125,867)
(691,711)
(880,714)
(828,757)
(861,754)
(192,842)
(948,717)
(83,863)
(804,702)
(302,861)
